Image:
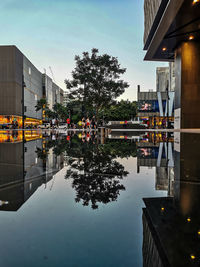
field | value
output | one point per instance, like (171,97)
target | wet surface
(80,199)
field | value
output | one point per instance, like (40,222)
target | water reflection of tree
(95,172)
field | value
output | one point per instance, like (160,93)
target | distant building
(65,98)
(21,86)
(162,79)
(157,107)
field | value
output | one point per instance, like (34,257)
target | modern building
(171,34)
(65,99)
(162,79)
(157,108)
(21,86)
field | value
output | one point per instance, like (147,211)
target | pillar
(187,89)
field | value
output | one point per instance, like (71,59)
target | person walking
(88,123)
(68,122)
(83,123)
(93,123)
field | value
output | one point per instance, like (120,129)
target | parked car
(45,125)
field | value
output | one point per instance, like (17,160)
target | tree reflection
(94,169)
(95,173)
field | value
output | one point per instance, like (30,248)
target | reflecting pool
(80,199)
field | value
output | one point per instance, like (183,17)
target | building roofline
(155,23)
(166,20)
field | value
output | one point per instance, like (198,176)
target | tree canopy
(96,80)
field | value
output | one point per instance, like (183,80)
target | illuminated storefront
(12,122)
(10,136)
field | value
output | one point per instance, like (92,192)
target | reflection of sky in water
(51,229)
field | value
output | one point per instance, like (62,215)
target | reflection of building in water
(171,225)
(153,150)
(22,171)
(155,154)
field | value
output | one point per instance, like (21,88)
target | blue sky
(52,32)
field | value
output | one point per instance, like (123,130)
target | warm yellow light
(162,209)
(198,232)
(164,49)
(191,37)
(189,219)
(195,2)
(192,257)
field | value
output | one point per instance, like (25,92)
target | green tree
(96,80)
(60,111)
(41,104)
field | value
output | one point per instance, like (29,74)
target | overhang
(179,22)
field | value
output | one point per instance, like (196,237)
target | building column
(187,90)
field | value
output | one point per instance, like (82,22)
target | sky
(52,32)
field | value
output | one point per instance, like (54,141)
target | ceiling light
(191,37)
(195,2)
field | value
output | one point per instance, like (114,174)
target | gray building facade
(21,86)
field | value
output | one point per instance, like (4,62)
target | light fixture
(195,2)
(191,37)
(192,257)
(162,209)
(189,219)
(164,49)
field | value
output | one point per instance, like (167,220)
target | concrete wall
(11,72)
(150,9)
(162,79)
(33,90)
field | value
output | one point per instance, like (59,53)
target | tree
(96,80)
(60,111)
(41,104)
(123,110)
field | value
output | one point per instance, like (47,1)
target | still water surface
(80,200)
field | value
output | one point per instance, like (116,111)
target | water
(77,200)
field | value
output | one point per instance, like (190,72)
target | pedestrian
(88,123)
(93,123)
(83,122)
(125,124)
(68,122)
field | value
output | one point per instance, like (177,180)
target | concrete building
(21,86)
(65,99)
(162,79)
(171,34)
(156,108)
